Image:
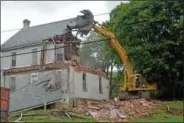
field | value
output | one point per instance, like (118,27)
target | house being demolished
(40,65)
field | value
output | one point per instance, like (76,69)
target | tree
(91,53)
(152,34)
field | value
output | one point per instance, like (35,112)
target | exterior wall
(92,82)
(69,86)
(26,59)
(21,60)
(28,95)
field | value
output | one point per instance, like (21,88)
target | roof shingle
(35,34)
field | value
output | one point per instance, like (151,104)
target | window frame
(100,85)
(34,79)
(35,56)
(58,55)
(10,86)
(84,82)
(13,59)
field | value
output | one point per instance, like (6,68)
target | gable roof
(35,34)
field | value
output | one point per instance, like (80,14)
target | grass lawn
(47,117)
(159,114)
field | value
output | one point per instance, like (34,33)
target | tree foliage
(152,34)
(90,52)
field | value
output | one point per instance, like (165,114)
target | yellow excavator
(134,85)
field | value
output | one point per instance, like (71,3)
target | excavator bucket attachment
(82,23)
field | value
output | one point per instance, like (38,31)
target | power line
(35,25)
(131,24)
(56,48)
(10,30)
(127,25)
(139,8)
(102,14)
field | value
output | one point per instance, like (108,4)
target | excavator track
(134,95)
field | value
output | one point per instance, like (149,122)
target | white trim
(12,76)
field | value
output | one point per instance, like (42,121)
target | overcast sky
(40,12)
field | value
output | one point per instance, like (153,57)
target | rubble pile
(116,110)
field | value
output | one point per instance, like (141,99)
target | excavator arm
(116,45)
(128,71)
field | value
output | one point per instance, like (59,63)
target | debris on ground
(174,111)
(67,114)
(116,110)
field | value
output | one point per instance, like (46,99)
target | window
(34,56)
(58,53)
(34,77)
(13,59)
(84,82)
(12,84)
(100,85)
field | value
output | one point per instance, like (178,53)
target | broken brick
(116,110)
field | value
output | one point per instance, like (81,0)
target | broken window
(100,85)
(34,77)
(84,82)
(13,59)
(34,56)
(12,84)
(58,53)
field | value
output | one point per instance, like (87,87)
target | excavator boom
(116,45)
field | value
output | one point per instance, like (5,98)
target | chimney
(26,23)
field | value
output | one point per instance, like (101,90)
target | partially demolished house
(41,66)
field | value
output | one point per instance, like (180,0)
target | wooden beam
(36,68)
(43,53)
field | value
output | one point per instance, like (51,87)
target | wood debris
(68,114)
(91,70)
